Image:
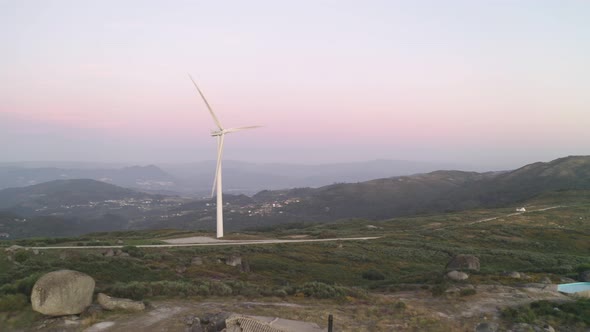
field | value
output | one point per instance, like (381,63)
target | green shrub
(467,292)
(564,314)
(321,290)
(373,275)
(439,289)
(133,290)
(13,302)
(133,251)
(520,315)
(400,305)
(279,292)
(21,256)
(220,289)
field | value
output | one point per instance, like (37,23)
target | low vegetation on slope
(411,253)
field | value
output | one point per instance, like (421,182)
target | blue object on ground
(574,287)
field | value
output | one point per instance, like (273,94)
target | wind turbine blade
(207,103)
(218,167)
(233,130)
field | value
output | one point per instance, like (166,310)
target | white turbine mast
(219,133)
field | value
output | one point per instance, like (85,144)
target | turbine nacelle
(230,130)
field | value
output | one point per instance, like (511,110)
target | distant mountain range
(139,177)
(100,205)
(195,179)
(65,192)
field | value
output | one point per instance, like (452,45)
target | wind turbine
(220,134)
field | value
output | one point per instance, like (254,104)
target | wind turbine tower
(220,134)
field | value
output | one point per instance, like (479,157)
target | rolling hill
(439,191)
(65,192)
(138,177)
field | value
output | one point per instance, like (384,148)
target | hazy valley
(74,207)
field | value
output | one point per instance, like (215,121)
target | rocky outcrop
(62,292)
(233,260)
(457,276)
(113,303)
(463,262)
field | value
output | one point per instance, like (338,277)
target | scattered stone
(191,320)
(233,260)
(109,253)
(124,254)
(119,241)
(457,276)
(214,322)
(486,327)
(63,292)
(180,269)
(13,248)
(197,260)
(522,327)
(453,290)
(99,327)
(70,323)
(514,275)
(91,310)
(113,303)
(35,251)
(464,262)
(545,280)
(584,276)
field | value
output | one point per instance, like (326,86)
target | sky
(493,83)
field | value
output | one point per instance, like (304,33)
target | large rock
(457,276)
(62,292)
(464,262)
(113,303)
